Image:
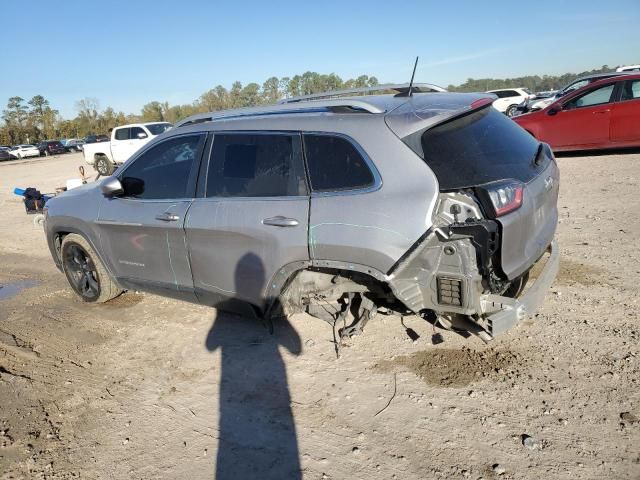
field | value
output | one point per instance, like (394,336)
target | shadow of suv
(432,203)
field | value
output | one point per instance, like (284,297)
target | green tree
(153,112)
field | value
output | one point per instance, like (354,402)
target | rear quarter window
(335,164)
(478,148)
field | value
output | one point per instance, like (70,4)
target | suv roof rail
(400,88)
(332,105)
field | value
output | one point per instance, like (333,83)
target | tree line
(29,121)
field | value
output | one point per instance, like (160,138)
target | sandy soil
(148,388)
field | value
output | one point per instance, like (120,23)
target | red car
(603,114)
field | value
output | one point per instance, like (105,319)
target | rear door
(583,121)
(625,115)
(142,231)
(251,219)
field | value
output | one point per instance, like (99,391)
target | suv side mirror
(553,110)
(111,187)
(142,135)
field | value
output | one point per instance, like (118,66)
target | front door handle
(280,221)
(167,217)
(602,111)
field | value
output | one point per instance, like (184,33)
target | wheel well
(57,243)
(327,287)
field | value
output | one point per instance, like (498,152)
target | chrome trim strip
(120,224)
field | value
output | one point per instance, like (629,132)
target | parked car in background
(628,68)
(24,151)
(125,141)
(509,99)
(95,138)
(5,155)
(72,145)
(435,204)
(602,114)
(575,85)
(51,147)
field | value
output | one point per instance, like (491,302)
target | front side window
(163,171)
(335,164)
(253,165)
(135,131)
(595,97)
(121,134)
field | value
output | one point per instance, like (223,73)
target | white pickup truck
(125,141)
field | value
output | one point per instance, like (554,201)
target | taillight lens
(505,196)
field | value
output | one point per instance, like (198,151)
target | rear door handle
(603,111)
(280,221)
(167,217)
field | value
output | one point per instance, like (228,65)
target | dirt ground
(147,388)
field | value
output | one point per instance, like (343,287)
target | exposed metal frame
(401,88)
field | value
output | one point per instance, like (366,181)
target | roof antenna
(412,75)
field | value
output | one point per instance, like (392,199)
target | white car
(25,151)
(509,99)
(125,141)
(628,68)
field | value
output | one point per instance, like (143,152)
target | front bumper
(502,313)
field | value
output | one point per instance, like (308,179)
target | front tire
(104,166)
(511,111)
(85,272)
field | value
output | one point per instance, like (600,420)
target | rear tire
(85,272)
(104,166)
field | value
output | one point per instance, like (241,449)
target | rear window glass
(335,164)
(480,147)
(158,128)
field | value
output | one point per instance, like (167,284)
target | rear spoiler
(412,117)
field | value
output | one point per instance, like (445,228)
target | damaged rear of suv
(494,220)
(432,204)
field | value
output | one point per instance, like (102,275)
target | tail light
(504,196)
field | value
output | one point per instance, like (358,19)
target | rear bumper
(503,313)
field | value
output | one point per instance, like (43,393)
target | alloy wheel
(81,272)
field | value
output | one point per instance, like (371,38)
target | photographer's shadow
(257,436)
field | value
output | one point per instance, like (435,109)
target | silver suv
(426,203)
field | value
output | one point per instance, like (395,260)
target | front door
(120,144)
(251,220)
(583,120)
(142,231)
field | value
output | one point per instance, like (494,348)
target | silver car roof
(404,115)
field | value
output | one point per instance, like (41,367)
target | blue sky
(126,53)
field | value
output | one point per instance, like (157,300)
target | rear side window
(631,90)
(122,134)
(478,148)
(335,164)
(163,171)
(253,165)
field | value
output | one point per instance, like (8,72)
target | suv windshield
(481,147)
(158,128)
